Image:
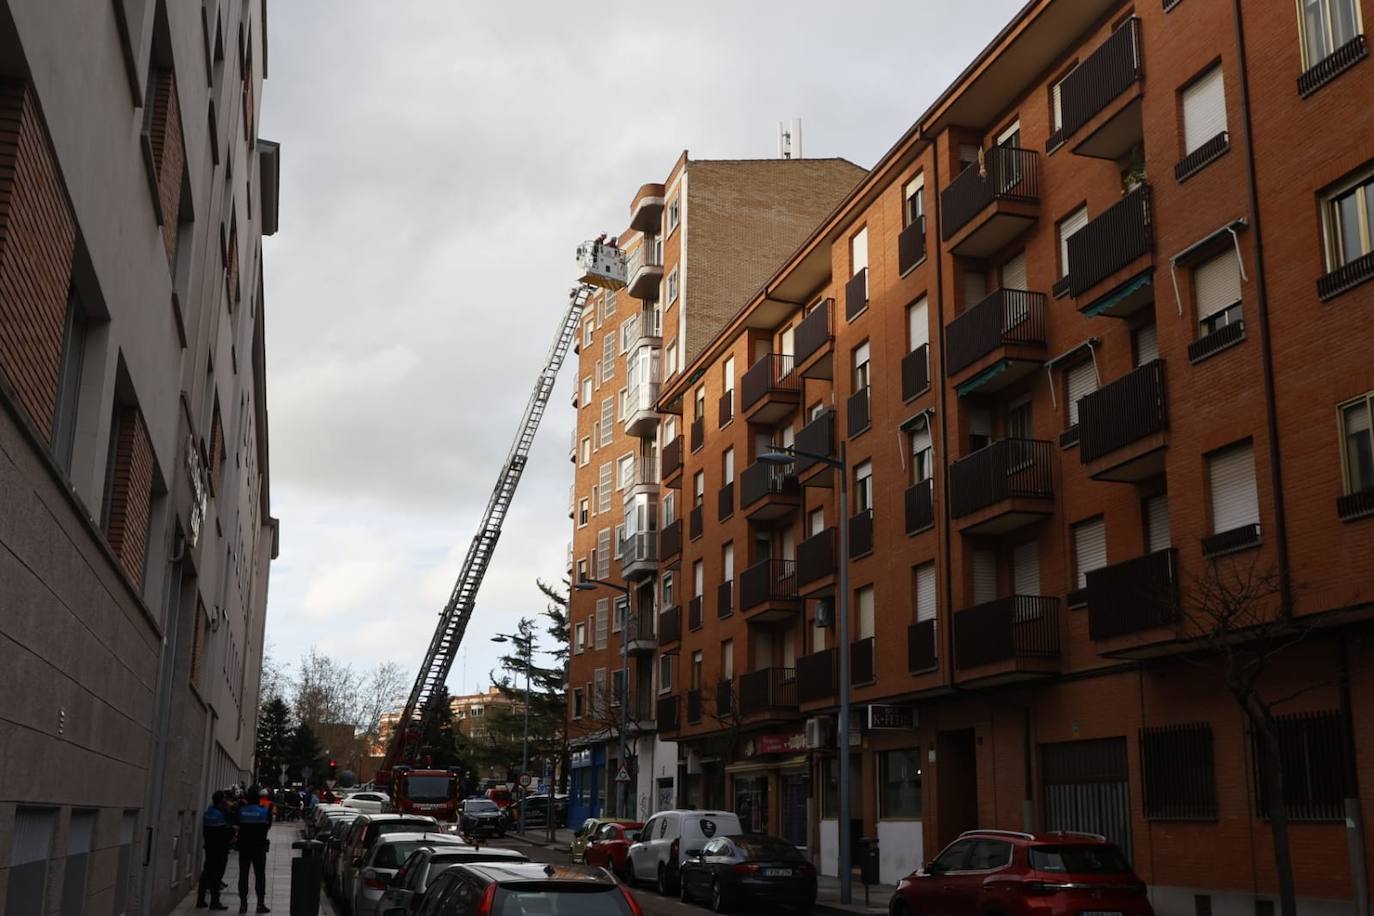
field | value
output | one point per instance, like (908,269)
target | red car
(609,847)
(1024,874)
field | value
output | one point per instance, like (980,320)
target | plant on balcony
(1134,174)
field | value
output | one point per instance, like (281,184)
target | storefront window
(751,803)
(830,795)
(899,783)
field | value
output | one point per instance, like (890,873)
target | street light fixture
(782,454)
(591,585)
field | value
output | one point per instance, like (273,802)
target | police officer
(218,833)
(254,822)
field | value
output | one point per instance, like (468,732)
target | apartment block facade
(742,217)
(135,526)
(1091,343)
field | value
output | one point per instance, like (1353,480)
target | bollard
(868,863)
(306,877)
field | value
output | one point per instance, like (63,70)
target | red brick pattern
(169,156)
(131,490)
(37,241)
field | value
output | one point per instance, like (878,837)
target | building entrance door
(1086,788)
(956,782)
(751,803)
(795,790)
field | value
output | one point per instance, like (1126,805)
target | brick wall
(130,497)
(169,156)
(37,241)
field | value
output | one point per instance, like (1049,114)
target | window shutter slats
(1204,110)
(1026,569)
(984,576)
(925,592)
(918,325)
(1089,549)
(1157,523)
(1216,284)
(1014,273)
(1146,345)
(1235,501)
(1082,381)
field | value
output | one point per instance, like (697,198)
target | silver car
(408,886)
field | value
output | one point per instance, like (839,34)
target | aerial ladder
(429,791)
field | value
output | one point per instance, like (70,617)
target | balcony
(668,714)
(768,692)
(768,492)
(641,409)
(815,343)
(856,295)
(698,432)
(861,534)
(672,463)
(1136,595)
(1010,638)
(694,612)
(921,654)
(1231,540)
(1347,276)
(911,245)
(1333,65)
(644,269)
(920,506)
(816,565)
(856,413)
(648,329)
(670,625)
(725,501)
(645,480)
(916,372)
(725,599)
(986,207)
(1096,98)
(768,590)
(1002,486)
(1114,247)
(670,541)
(818,676)
(1123,426)
(817,438)
(725,698)
(639,631)
(863,662)
(695,522)
(639,555)
(1349,506)
(693,706)
(770,390)
(726,409)
(997,342)
(646,213)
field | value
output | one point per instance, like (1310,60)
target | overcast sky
(440,161)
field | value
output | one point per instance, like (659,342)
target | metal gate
(1085,788)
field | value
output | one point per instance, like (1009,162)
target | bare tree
(326,690)
(383,690)
(273,681)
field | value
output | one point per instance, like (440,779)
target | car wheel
(719,902)
(682,893)
(899,908)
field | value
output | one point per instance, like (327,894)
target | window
(1216,289)
(1057,101)
(69,383)
(622,404)
(607,304)
(30,852)
(617,694)
(586,457)
(580,640)
(921,456)
(1089,549)
(620,613)
(665,673)
(1349,222)
(607,420)
(696,670)
(864,603)
(667,587)
(669,508)
(988,854)
(607,357)
(578,709)
(1025,570)
(581,570)
(1145,343)
(1067,227)
(1231,481)
(698,488)
(606,482)
(727,374)
(589,331)
(670,359)
(914,200)
(1326,26)
(618,539)
(984,576)
(627,472)
(586,400)
(861,368)
(863,487)
(1204,110)
(1313,746)
(899,784)
(1357,444)
(674,214)
(603,554)
(1157,536)
(1079,381)
(583,511)
(1178,772)
(628,328)
(727,465)
(926,595)
(672,286)
(603,620)
(858,256)
(727,562)
(917,325)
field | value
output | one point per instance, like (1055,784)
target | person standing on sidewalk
(217,833)
(254,822)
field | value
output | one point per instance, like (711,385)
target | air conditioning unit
(818,733)
(693,763)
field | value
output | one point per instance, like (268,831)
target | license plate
(787,873)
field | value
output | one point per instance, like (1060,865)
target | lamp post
(783,454)
(524,644)
(591,585)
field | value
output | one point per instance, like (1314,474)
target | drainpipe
(1354,821)
(945,420)
(1266,347)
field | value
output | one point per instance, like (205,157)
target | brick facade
(130,493)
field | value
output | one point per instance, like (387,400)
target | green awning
(982,378)
(1126,297)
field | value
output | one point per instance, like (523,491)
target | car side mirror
(933,869)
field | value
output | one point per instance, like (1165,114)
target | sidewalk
(277,873)
(539,836)
(828,897)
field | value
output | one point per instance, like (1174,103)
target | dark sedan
(481,817)
(731,870)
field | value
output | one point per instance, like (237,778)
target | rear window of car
(592,901)
(1079,860)
(392,855)
(767,849)
(380,828)
(708,827)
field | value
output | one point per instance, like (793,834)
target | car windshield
(427,790)
(767,848)
(1079,860)
(391,855)
(477,807)
(599,900)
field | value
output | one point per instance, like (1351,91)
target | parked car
(569,890)
(482,817)
(369,802)
(534,810)
(383,860)
(669,837)
(333,832)
(584,833)
(410,884)
(1045,874)
(753,867)
(318,815)
(502,795)
(363,835)
(609,846)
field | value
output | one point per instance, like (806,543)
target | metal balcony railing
(1007,173)
(694,706)
(856,294)
(639,548)
(863,661)
(915,372)
(772,372)
(761,480)
(670,625)
(814,331)
(1002,470)
(1102,76)
(726,407)
(725,501)
(1122,412)
(1134,595)
(668,710)
(816,557)
(725,698)
(639,625)
(766,581)
(695,522)
(817,676)
(1007,629)
(816,438)
(672,458)
(725,598)
(920,646)
(861,533)
(856,412)
(1124,232)
(694,615)
(911,244)
(920,506)
(670,540)
(768,690)
(1008,317)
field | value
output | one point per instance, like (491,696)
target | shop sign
(887,716)
(790,742)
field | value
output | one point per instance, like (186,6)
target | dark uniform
(218,833)
(254,822)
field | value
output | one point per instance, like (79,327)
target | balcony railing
(643,397)
(639,548)
(816,557)
(648,329)
(920,506)
(672,458)
(670,540)
(695,522)
(920,646)
(644,269)
(771,373)
(1125,411)
(645,473)
(694,706)
(669,625)
(817,438)
(698,433)
(915,372)
(856,294)
(1331,66)
(1224,337)
(694,615)
(862,662)
(762,479)
(1347,276)
(725,598)
(767,581)
(1007,629)
(1005,469)
(768,690)
(725,501)
(668,712)
(1008,317)
(1101,77)
(1124,232)
(1007,173)
(1138,594)
(639,625)
(861,533)
(726,408)
(817,676)
(856,412)
(1355,505)
(911,244)
(725,698)
(1231,540)
(814,331)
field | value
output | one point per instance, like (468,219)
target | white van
(669,837)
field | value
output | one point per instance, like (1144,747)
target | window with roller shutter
(1146,341)
(1025,559)
(1080,380)
(925,592)
(1157,536)
(1014,273)
(603,553)
(603,621)
(1067,227)
(984,576)
(1089,549)
(1234,497)
(1216,288)
(1204,112)
(866,621)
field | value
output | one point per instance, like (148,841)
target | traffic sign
(525,780)
(623,774)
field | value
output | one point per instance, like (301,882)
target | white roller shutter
(1216,284)
(1146,345)
(1014,273)
(917,325)
(984,576)
(1089,549)
(1157,523)
(1070,224)
(975,288)
(1204,110)
(866,611)
(1235,501)
(1025,559)
(603,622)
(925,592)
(1082,379)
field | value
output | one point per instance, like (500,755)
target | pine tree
(304,750)
(273,741)
(441,742)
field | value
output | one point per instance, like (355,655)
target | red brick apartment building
(697,245)
(1093,338)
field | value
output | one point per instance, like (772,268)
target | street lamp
(782,454)
(591,585)
(524,644)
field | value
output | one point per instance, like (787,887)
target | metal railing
(1228,335)
(921,646)
(762,479)
(694,612)
(648,254)
(1102,76)
(856,412)
(698,429)
(1006,629)
(694,706)
(668,710)
(767,580)
(695,522)
(1007,173)
(672,457)
(1122,412)
(669,625)
(1008,317)
(1134,595)
(863,661)
(1001,470)
(1232,539)
(725,501)
(856,294)
(767,689)
(639,624)
(725,697)
(771,372)
(816,437)
(861,533)
(1347,276)
(814,331)
(816,557)
(725,598)
(642,397)
(920,506)
(817,676)
(726,408)
(1331,66)
(639,548)
(648,328)
(670,540)
(911,244)
(1122,233)
(915,372)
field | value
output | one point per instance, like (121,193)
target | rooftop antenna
(790,139)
